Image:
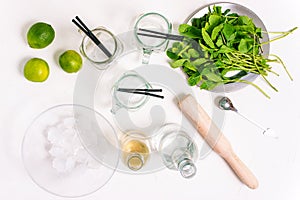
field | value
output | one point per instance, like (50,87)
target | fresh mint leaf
(190,66)
(208,85)
(228,30)
(178,63)
(245,28)
(258,32)
(193,53)
(214,20)
(217,10)
(213,77)
(219,41)
(226,12)
(172,55)
(225,49)
(216,32)
(189,31)
(194,79)
(207,39)
(244,46)
(198,62)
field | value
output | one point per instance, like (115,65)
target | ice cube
(70,164)
(54,135)
(61,126)
(58,152)
(69,122)
(67,144)
(76,143)
(59,164)
(69,132)
(81,155)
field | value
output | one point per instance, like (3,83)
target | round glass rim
(136,156)
(145,15)
(91,154)
(148,85)
(110,59)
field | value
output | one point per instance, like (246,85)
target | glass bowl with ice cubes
(70,150)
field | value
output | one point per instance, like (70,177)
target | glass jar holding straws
(154,22)
(99,46)
(131,92)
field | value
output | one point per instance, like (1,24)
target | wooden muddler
(215,138)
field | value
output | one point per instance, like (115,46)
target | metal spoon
(226,104)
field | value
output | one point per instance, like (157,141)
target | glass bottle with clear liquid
(178,151)
(135,150)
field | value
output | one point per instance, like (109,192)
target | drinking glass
(154,22)
(95,55)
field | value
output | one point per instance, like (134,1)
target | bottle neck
(187,168)
(135,161)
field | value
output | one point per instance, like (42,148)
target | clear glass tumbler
(94,54)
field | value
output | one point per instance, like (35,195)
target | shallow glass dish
(241,10)
(70,150)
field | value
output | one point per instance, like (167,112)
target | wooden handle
(215,138)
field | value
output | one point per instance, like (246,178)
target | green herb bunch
(221,42)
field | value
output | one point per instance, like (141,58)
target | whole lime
(36,70)
(40,35)
(70,61)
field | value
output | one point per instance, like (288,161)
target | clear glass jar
(155,22)
(129,101)
(94,54)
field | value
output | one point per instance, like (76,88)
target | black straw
(160,35)
(140,90)
(144,93)
(90,34)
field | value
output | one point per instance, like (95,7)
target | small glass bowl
(94,54)
(70,150)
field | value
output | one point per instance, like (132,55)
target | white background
(276,163)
